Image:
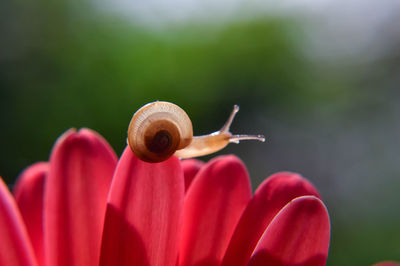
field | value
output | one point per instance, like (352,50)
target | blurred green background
(319,79)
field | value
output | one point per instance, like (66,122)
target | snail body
(160,129)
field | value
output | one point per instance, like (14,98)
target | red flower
(85,208)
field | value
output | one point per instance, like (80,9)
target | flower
(85,207)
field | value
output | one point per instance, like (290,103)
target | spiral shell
(157,130)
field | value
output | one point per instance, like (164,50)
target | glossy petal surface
(29,193)
(190,168)
(271,196)
(15,246)
(81,168)
(213,206)
(144,213)
(298,235)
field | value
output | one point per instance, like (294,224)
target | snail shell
(157,130)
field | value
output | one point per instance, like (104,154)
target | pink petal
(144,213)
(387,263)
(298,235)
(29,193)
(271,196)
(81,168)
(190,168)
(213,206)
(15,246)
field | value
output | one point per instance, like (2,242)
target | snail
(160,129)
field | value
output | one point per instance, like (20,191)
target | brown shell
(157,130)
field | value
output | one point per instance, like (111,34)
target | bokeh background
(320,78)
